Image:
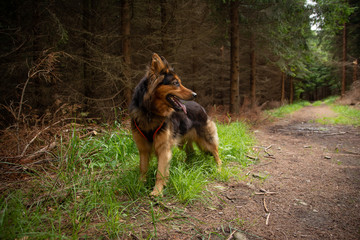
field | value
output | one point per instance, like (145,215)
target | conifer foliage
(232,53)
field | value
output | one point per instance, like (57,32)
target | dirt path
(314,171)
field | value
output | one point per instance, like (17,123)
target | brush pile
(352,97)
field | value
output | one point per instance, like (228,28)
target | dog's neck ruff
(156,131)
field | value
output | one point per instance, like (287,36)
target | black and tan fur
(160,119)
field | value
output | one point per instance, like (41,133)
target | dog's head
(165,90)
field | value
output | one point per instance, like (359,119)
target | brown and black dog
(163,116)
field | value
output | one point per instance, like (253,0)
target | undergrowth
(91,188)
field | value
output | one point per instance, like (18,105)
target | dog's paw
(142,179)
(155,193)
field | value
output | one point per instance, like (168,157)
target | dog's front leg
(144,148)
(163,154)
(144,163)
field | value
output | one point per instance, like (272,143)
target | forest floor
(305,186)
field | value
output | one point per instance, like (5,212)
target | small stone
(327,157)
(299,201)
(221,188)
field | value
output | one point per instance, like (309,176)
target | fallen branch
(265,150)
(332,134)
(39,152)
(92,133)
(38,134)
(344,151)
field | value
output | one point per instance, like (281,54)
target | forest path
(310,174)
(315,171)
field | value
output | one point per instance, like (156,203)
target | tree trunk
(222,78)
(291,90)
(355,70)
(125,31)
(194,67)
(35,89)
(87,81)
(163,17)
(344,48)
(282,88)
(253,71)
(234,57)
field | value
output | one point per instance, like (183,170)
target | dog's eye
(176,83)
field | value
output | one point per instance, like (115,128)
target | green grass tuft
(287,109)
(330,100)
(235,143)
(346,115)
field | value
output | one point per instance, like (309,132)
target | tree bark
(163,17)
(291,90)
(125,31)
(253,71)
(222,77)
(282,88)
(234,57)
(355,70)
(344,57)
(87,81)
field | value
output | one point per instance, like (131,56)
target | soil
(305,186)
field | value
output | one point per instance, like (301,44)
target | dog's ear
(158,64)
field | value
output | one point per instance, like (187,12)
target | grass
(346,115)
(287,109)
(91,188)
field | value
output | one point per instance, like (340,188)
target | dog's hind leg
(189,149)
(187,145)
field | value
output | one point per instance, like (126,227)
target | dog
(163,116)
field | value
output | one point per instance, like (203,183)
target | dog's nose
(194,95)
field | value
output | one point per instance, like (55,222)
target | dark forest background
(83,58)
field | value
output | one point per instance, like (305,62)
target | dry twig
(251,157)
(265,207)
(39,152)
(41,131)
(265,193)
(267,219)
(231,235)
